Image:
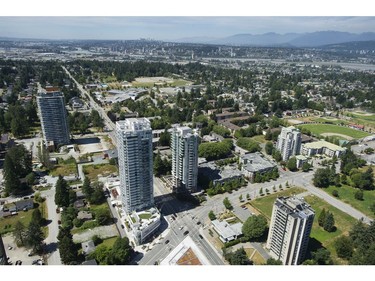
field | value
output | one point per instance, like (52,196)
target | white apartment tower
(289,142)
(290,228)
(184,146)
(53,116)
(134,145)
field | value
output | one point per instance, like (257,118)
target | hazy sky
(170,28)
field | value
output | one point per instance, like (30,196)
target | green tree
(86,187)
(292,164)
(30,178)
(35,237)
(322,217)
(240,198)
(254,227)
(96,120)
(101,254)
(121,251)
(277,155)
(329,223)
(269,148)
(272,261)
(335,193)
(165,138)
(322,257)
(344,247)
(97,196)
(358,195)
(62,192)
(211,215)
(19,233)
(37,218)
(102,216)
(306,167)
(239,257)
(322,177)
(68,251)
(227,204)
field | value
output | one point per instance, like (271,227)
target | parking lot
(15,253)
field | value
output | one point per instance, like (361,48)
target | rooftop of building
(294,206)
(133,124)
(322,143)
(214,172)
(227,230)
(186,253)
(254,162)
(142,219)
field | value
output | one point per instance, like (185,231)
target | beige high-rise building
(290,228)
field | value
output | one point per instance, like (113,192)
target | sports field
(321,129)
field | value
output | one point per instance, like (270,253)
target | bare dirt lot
(336,134)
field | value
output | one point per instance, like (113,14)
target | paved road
(53,254)
(107,121)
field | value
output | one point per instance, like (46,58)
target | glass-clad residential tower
(134,146)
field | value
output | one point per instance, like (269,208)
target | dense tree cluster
(161,166)
(119,254)
(17,165)
(238,257)
(327,221)
(227,186)
(248,144)
(254,227)
(215,150)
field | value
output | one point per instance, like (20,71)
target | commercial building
(134,146)
(289,142)
(186,253)
(184,146)
(253,164)
(227,232)
(289,233)
(53,117)
(144,224)
(322,147)
(219,175)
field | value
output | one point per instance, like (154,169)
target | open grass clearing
(92,171)
(318,129)
(343,223)
(109,241)
(265,204)
(259,138)
(346,194)
(64,167)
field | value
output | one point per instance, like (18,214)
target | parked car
(186,232)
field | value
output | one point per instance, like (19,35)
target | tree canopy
(254,227)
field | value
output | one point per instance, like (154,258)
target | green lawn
(265,204)
(7,224)
(145,216)
(65,168)
(109,242)
(318,129)
(346,194)
(259,138)
(92,171)
(343,222)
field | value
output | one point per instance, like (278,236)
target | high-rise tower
(134,146)
(289,142)
(184,146)
(289,233)
(53,116)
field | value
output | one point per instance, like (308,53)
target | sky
(172,28)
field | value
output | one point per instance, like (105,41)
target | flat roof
(227,230)
(186,253)
(255,162)
(322,143)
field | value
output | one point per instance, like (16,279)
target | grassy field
(175,83)
(346,194)
(265,204)
(362,118)
(343,222)
(259,138)
(109,242)
(7,224)
(92,171)
(318,129)
(65,168)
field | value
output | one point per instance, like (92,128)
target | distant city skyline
(173,28)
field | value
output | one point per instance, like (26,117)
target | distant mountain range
(314,39)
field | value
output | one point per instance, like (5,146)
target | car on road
(200,236)
(166,241)
(19,262)
(186,232)
(198,222)
(122,226)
